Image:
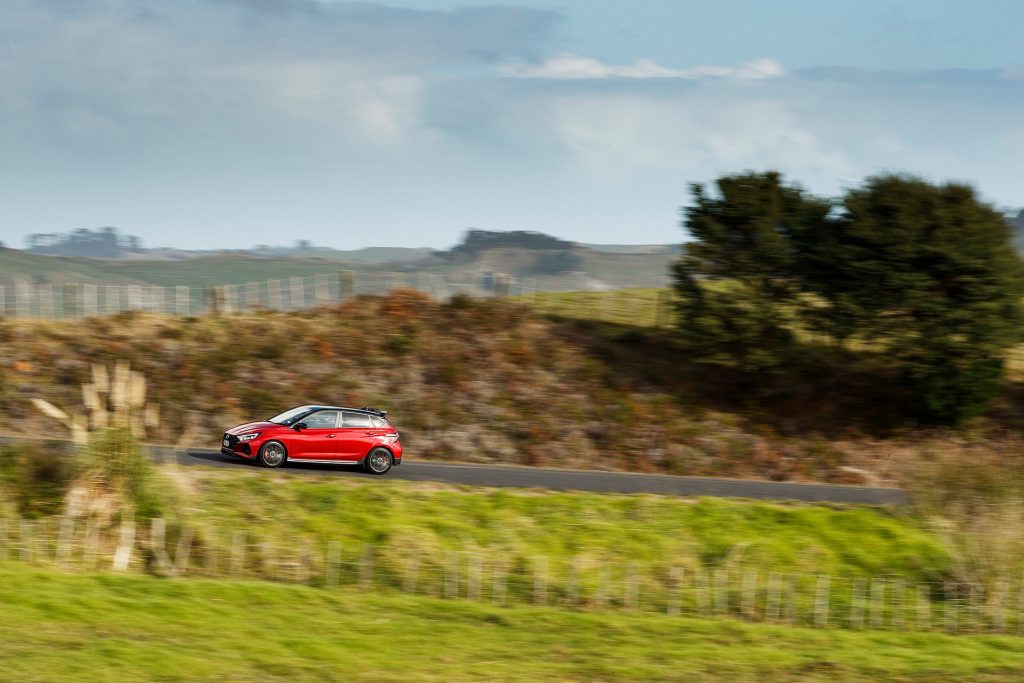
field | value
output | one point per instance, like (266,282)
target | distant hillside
(547,262)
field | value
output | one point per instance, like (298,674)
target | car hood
(252,426)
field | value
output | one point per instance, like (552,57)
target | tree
(738,279)
(922,275)
(929,274)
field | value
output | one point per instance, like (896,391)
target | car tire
(378,461)
(272,454)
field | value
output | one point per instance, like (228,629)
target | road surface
(583,480)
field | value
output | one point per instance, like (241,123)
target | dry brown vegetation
(492,381)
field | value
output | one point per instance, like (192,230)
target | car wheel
(379,461)
(272,454)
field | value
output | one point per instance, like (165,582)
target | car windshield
(290,416)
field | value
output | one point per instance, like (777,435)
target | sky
(227,123)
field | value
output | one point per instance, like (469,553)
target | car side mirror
(299,426)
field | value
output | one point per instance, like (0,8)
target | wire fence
(634,306)
(71,301)
(494,576)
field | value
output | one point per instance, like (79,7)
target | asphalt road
(583,480)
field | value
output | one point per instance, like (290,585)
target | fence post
(46,309)
(71,307)
(158,542)
(90,299)
(3,538)
(274,300)
(134,297)
(949,609)
(749,606)
(296,294)
(877,610)
(499,582)
(333,564)
(822,601)
(3,301)
(675,601)
(473,572)
(252,295)
(321,291)
(572,583)
(65,536)
(857,595)
(21,300)
(540,580)
(182,300)
(366,563)
(112,299)
(791,581)
(347,284)
(603,581)
(899,604)
(237,554)
(28,540)
(212,301)
(631,587)
(702,590)
(721,591)
(773,598)
(183,552)
(451,574)
(922,602)
(92,542)
(123,554)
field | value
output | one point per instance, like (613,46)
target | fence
(493,575)
(70,301)
(73,301)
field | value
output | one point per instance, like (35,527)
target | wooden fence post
(923,604)
(366,567)
(877,613)
(631,587)
(183,552)
(499,582)
(822,601)
(123,554)
(346,285)
(28,540)
(749,606)
(333,564)
(675,601)
(473,575)
(158,542)
(540,580)
(857,594)
(237,554)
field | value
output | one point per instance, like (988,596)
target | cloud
(132,71)
(573,67)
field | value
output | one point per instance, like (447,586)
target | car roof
(368,411)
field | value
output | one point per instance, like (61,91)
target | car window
(378,422)
(322,419)
(351,420)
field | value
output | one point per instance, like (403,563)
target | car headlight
(248,437)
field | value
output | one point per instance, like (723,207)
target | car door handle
(331,436)
(371,433)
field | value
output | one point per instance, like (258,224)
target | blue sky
(226,123)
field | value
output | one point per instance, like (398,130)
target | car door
(355,439)
(318,439)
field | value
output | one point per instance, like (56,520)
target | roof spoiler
(382,413)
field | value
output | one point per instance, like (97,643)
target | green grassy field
(403,519)
(129,628)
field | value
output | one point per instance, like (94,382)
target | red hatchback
(321,434)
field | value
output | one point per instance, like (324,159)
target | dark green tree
(928,274)
(738,278)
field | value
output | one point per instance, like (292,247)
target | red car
(321,434)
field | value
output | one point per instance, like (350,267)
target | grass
(640,307)
(403,518)
(132,628)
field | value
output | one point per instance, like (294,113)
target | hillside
(549,264)
(493,381)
